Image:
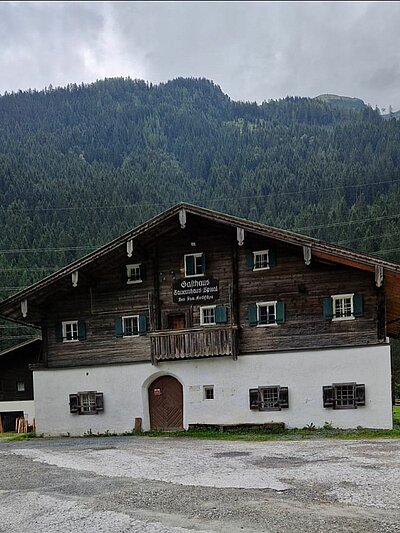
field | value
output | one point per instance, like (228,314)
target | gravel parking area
(165,485)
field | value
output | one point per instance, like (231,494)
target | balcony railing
(208,341)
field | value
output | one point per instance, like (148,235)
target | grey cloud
(254,50)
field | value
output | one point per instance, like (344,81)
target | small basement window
(134,273)
(344,395)
(86,403)
(261,260)
(208,391)
(194,265)
(269,398)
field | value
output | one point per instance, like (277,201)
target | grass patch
(396,415)
(13,436)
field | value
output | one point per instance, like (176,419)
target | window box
(194,265)
(344,395)
(86,403)
(269,398)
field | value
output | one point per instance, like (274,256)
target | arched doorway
(166,403)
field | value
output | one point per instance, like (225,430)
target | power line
(214,200)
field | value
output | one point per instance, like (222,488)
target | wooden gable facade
(185,285)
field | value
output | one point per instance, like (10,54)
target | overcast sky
(253,50)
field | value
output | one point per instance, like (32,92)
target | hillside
(342,102)
(81,164)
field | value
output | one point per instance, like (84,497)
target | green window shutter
(142,271)
(73,403)
(220,314)
(272,258)
(327,395)
(254,399)
(58,331)
(252,313)
(99,401)
(280,312)
(249,260)
(360,395)
(189,265)
(124,275)
(358,305)
(81,330)
(142,325)
(328,308)
(118,327)
(284,398)
(203,263)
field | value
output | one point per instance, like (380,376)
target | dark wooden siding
(14,367)
(102,297)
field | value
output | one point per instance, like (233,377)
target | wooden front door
(166,404)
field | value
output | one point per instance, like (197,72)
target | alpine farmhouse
(197,317)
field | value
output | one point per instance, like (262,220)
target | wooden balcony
(208,341)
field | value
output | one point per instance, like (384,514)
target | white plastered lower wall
(125,389)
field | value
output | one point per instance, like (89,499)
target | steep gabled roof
(16,347)
(319,249)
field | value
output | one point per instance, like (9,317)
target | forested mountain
(80,165)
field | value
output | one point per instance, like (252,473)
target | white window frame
(202,309)
(195,255)
(266,391)
(64,330)
(335,390)
(129,269)
(123,318)
(20,386)
(260,253)
(207,388)
(337,297)
(265,304)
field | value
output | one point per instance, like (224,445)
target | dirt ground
(166,485)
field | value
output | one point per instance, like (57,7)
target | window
(134,273)
(208,391)
(70,331)
(194,265)
(86,403)
(344,395)
(261,260)
(130,326)
(207,315)
(269,398)
(343,306)
(266,313)
(21,386)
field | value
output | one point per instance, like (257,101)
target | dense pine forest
(80,165)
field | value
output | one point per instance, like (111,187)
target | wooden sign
(195,291)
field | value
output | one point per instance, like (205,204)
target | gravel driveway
(165,485)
